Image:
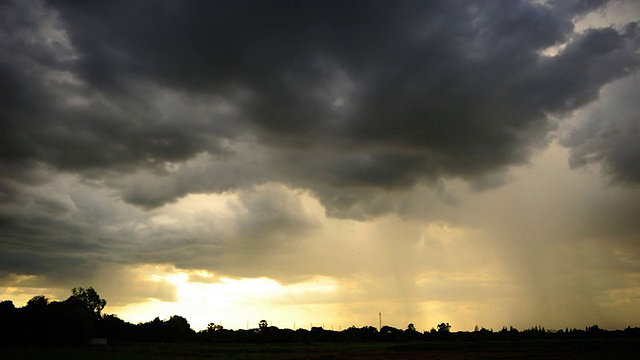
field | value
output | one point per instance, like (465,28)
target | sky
(318,163)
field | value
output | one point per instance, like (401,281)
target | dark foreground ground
(557,349)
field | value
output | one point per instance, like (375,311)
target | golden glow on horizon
(234,302)
(488,271)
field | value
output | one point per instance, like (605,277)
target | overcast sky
(319,162)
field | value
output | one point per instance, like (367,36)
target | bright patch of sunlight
(204,298)
(194,203)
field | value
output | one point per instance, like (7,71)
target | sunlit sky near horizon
(316,163)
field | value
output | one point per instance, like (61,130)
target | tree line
(78,319)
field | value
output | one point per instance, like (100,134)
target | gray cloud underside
(68,232)
(407,93)
(607,133)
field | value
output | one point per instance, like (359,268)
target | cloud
(69,231)
(608,133)
(505,244)
(408,94)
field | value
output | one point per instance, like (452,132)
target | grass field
(593,349)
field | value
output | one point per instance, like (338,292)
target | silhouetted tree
(9,323)
(37,302)
(178,329)
(211,327)
(89,298)
(77,319)
(411,334)
(69,323)
(444,328)
(114,328)
(7,306)
(34,322)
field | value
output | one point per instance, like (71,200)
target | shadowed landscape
(76,328)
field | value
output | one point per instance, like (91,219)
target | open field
(594,349)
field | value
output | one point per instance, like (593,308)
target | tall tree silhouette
(89,298)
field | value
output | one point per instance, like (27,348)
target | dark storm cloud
(52,114)
(355,101)
(608,133)
(403,92)
(340,97)
(578,7)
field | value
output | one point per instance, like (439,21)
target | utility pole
(380,321)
